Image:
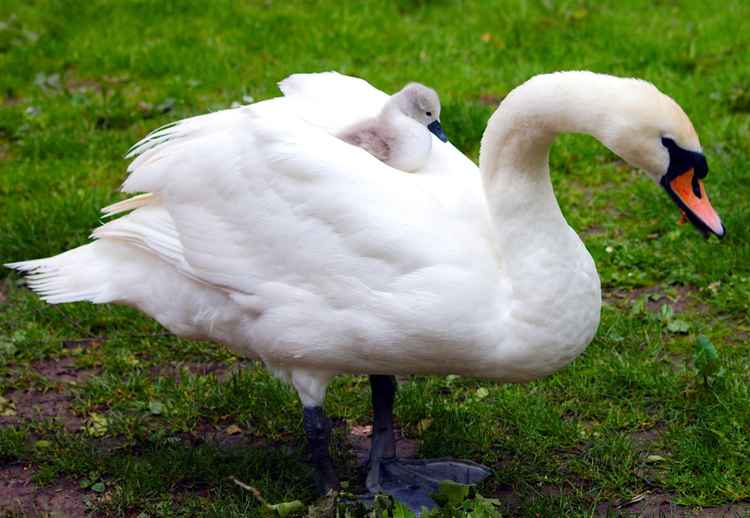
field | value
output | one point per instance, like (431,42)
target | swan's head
(658,137)
(422,104)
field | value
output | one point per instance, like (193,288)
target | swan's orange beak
(690,196)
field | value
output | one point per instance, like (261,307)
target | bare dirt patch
(657,504)
(509,498)
(360,439)
(221,370)
(649,504)
(31,405)
(174,370)
(681,298)
(55,404)
(19,494)
(233,436)
(62,370)
(642,439)
(227,436)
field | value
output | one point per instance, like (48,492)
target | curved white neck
(555,288)
(515,145)
(514,161)
(554,291)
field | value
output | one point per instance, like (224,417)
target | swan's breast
(554,312)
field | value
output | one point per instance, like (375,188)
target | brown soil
(62,370)
(360,439)
(649,504)
(657,505)
(221,370)
(681,298)
(18,494)
(32,405)
(642,439)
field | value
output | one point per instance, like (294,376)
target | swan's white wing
(333,101)
(271,199)
(330,100)
(263,231)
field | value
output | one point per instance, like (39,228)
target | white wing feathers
(331,101)
(129,204)
(292,204)
(186,128)
(264,193)
(170,140)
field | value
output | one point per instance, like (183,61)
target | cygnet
(400,134)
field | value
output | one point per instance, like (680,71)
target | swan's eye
(429,114)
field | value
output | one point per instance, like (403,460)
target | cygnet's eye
(429,114)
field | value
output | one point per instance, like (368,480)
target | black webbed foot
(410,481)
(413,481)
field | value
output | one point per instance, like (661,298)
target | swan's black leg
(383,440)
(318,430)
(410,481)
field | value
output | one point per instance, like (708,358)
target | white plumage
(263,231)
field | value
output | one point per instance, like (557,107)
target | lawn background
(146,418)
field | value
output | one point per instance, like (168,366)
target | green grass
(82,81)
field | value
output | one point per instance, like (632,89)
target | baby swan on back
(400,134)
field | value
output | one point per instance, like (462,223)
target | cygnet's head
(422,104)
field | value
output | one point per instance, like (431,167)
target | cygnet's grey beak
(437,130)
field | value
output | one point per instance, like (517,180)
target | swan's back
(333,102)
(330,100)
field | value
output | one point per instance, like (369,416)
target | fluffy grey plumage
(400,134)
(373,138)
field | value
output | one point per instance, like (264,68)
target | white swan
(263,232)
(401,134)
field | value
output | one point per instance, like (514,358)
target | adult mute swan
(400,134)
(262,231)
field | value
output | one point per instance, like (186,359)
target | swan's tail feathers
(79,274)
(135,202)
